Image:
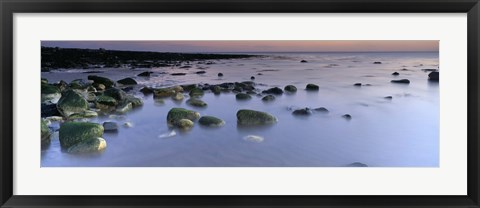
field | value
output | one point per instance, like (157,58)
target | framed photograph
(239,104)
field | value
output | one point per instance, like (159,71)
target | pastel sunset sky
(256,46)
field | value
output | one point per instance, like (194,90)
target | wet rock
(321,110)
(401,81)
(124,108)
(347,116)
(302,112)
(178,74)
(71,133)
(252,117)
(164,92)
(312,87)
(252,78)
(145,74)
(71,102)
(106,100)
(268,98)
(253,138)
(176,114)
(388,97)
(116,93)
(146,90)
(434,76)
(211,121)
(127,81)
(259,74)
(99,87)
(178,96)
(79,84)
(136,102)
(357,84)
(200,72)
(216,90)
(228,85)
(128,124)
(43,81)
(196,92)
(220,74)
(184,124)
(50,93)
(377,62)
(45,132)
(196,102)
(110,126)
(88,146)
(84,114)
(303,61)
(395,73)
(290,88)
(357,164)
(102,80)
(274,90)
(49,110)
(243,96)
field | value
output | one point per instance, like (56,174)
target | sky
(256,46)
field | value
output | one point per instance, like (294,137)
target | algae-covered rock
(45,132)
(176,114)
(116,93)
(312,87)
(211,121)
(124,108)
(106,100)
(196,102)
(50,93)
(216,90)
(184,124)
(178,96)
(268,98)
(251,117)
(243,96)
(127,81)
(164,92)
(274,90)
(302,112)
(88,146)
(196,92)
(290,88)
(84,114)
(136,102)
(102,80)
(110,126)
(71,102)
(71,133)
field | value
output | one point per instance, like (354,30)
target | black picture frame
(10,7)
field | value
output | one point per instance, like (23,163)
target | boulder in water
(252,117)
(127,81)
(401,81)
(211,121)
(312,87)
(434,76)
(71,133)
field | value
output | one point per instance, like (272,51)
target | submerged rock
(45,132)
(116,93)
(110,126)
(102,80)
(176,114)
(71,133)
(357,84)
(196,92)
(290,88)
(184,124)
(251,117)
(50,93)
(146,90)
(252,78)
(321,109)
(388,97)
(178,96)
(124,108)
(303,61)
(220,74)
(211,121)
(434,76)
(274,90)
(178,74)
(395,73)
(312,87)
(302,112)
(106,100)
(243,96)
(84,114)
(71,102)
(401,81)
(347,116)
(145,74)
(88,146)
(216,90)
(196,102)
(253,138)
(127,81)
(268,98)
(200,72)
(377,62)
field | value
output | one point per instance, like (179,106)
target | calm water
(402,132)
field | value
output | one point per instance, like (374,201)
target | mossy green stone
(71,102)
(196,92)
(102,80)
(88,146)
(125,108)
(184,124)
(116,93)
(216,90)
(211,121)
(71,133)
(45,132)
(176,114)
(268,98)
(106,100)
(243,96)
(178,96)
(135,101)
(84,114)
(196,102)
(163,92)
(49,89)
(251,117)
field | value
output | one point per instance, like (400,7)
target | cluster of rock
(73,102)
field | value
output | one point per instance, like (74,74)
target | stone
(71,133)
(268,98)
(220,74)
(434,76)
(102,80)
(176,114)
(178,96)
(211,121)
(252,117)
(45,131)
(357,84)
(145,74)
(252,78)
(395,73)
(302,112)
(357,164)
(127,81)
(196,102)
(124,108)
(377,62)
(178,74)
(321,109)
(388,97)
(184,124)
(50,93)
(71,102)
(401,81)
(303,61)
(88,146)
(274,90)
(116,93)
(312,87)
(290,88)
(110,126)
(196,92)
(243,96)
(347,116)
(200,72)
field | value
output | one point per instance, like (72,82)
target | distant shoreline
(68,58)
